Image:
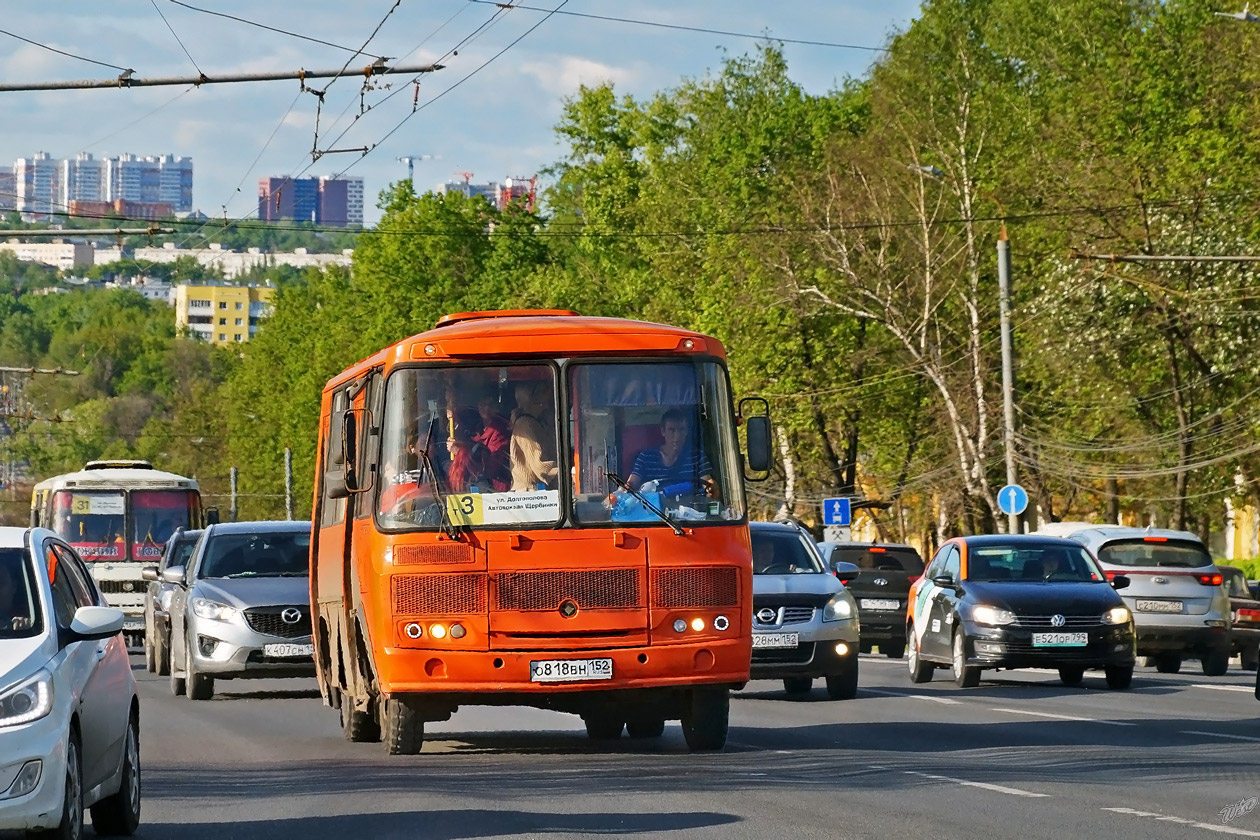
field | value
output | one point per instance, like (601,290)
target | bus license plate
(287,650)
(775,640)
(879,604)
(1158,606)
(1060,639)
(564,670)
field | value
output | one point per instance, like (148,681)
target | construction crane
(410,160)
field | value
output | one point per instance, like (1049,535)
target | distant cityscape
(44,188)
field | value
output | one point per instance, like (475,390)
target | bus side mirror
(212,516)
(757,434)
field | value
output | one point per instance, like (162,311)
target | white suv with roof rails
(1180,608)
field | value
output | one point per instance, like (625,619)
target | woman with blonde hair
(533,447)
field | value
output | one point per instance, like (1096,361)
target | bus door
(330,577)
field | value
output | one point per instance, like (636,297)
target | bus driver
(676,461)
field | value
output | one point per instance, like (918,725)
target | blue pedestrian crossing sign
(837,512)
(1012,499)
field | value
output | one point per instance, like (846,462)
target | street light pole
(1008,367)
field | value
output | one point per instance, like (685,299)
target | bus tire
(706,718)
(403,729)
(603,725)
(358,727)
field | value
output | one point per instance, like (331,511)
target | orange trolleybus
(535,508)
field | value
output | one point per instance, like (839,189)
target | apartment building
(222,314)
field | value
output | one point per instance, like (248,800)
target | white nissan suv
(69,715)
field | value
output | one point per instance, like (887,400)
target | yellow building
(222,314)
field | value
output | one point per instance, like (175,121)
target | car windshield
(20,614)
(274,554)
(1155,551)
(1028,564)
(783,552)
(880,558)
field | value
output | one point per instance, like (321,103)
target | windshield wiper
(616,479)
(448,526)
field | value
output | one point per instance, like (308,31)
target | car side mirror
(149,573)
(173,574)
(1119,582)
(845,572)
(945,581)
(94,623)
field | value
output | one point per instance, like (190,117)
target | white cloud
(561,76)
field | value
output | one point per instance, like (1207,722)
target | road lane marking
(1245,688)
(944,700)
(1222,829)
(995,788)
(1064,717)
(1219,735)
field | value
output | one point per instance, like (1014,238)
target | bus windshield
(93,521)
(155,514)
(482,438)
(665,429)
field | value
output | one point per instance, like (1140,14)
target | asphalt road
(1021,755)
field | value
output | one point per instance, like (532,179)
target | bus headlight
(839,608)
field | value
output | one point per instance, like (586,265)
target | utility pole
(1008,366)
(232,511)
(288,483)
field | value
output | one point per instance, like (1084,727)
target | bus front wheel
(403,727)
(705,719)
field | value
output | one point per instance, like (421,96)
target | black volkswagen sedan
(1022,601)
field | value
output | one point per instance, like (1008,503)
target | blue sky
(498,123)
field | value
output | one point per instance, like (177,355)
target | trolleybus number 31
(558,670)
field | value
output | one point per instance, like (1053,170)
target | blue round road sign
(1012,499)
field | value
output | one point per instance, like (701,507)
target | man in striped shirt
(675,462)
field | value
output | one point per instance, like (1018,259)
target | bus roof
(525,333)
(100,477)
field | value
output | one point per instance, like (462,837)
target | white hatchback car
(69,713)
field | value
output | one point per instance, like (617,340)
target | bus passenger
(533,445)
(469,457)
(496,436)
(675,461)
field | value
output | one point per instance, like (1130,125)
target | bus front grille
(697,586)
(589,589)
(417,555)
(438,594)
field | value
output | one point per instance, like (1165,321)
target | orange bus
(535,508)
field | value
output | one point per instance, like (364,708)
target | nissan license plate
(564,670)
(879,604)
(1147,605)
(1060,639)
(775,640)
(287,650)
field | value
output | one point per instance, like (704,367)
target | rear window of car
(875,557)
(1172,554)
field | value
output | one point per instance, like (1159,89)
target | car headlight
(1117,615)
(984,614)
(29,700)
(839,608)
(205,608)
